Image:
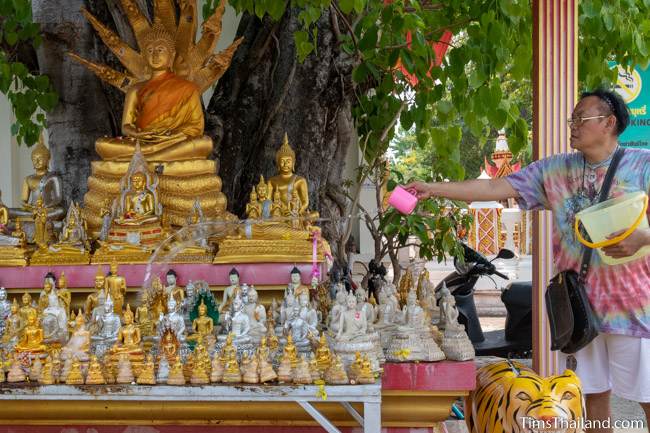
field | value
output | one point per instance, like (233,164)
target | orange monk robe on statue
(167,113)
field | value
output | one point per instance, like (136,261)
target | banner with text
(630,85)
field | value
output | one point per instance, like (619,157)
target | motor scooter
(515,341)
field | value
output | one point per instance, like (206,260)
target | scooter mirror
(504,254)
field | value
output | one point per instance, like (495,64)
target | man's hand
(628,246)
(422,190)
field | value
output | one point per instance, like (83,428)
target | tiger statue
(511,398)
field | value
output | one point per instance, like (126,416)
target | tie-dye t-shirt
(619,294)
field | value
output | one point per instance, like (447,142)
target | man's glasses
(578,121)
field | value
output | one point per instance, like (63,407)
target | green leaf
(359,5)
(11,38)
(276,9)
(346,6)
(369,40)
(444,106)
(360,73)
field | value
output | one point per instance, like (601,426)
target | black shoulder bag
(571,318)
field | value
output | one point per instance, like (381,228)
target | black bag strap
(604,193)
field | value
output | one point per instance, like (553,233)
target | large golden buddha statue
(162,111)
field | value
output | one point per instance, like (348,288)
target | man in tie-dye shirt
(618,359)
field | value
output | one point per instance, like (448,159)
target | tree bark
(82,113)
(267,92)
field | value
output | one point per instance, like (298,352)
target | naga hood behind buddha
(162,111)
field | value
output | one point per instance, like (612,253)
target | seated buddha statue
(72,246)
(129,340)
(203,327)
(42,184)
(286,181)
(138,203)
(32,337)
(253,207)
(136,228)
(162,109)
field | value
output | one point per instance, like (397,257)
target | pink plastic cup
(404,200)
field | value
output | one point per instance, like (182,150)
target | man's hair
(616,105)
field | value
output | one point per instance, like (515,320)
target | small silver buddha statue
(107,327)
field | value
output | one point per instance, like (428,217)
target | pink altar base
(215,274)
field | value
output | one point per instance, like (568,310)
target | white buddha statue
(240,323)
(256,314)
(55,321)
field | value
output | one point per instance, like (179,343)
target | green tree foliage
(29,93)
(484,80)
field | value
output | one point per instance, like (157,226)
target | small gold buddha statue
(42,230)
(124,370)
(285,370)
(405,284)
(316,374)
(199,374)
(13,250)
(64,294)
(148,374)
(366,375)
(75,376)
(169,346)
(290,351)
(203,327)
(92,300)
(19,234)
(267,373)
(277,208)
(253,207)
(139,203)
(249,368)
(336,374)
(232,373)
(116,286)
(27,308)
(43,185)
(143,317)
(129,342)
(46,377)
(95,375)
(16,373)
(157,300)
(176,376)
(218,368)
(162,109)
(32,336)
(356,366)
(4,215)
(323,354)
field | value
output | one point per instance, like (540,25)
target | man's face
(590,133)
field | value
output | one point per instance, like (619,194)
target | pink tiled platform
(84,275)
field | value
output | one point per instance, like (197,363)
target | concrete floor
(622,409)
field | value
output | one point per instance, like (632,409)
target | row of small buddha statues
(134,223)
(173,322)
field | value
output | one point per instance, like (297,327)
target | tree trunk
(82,113)
(267,92)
